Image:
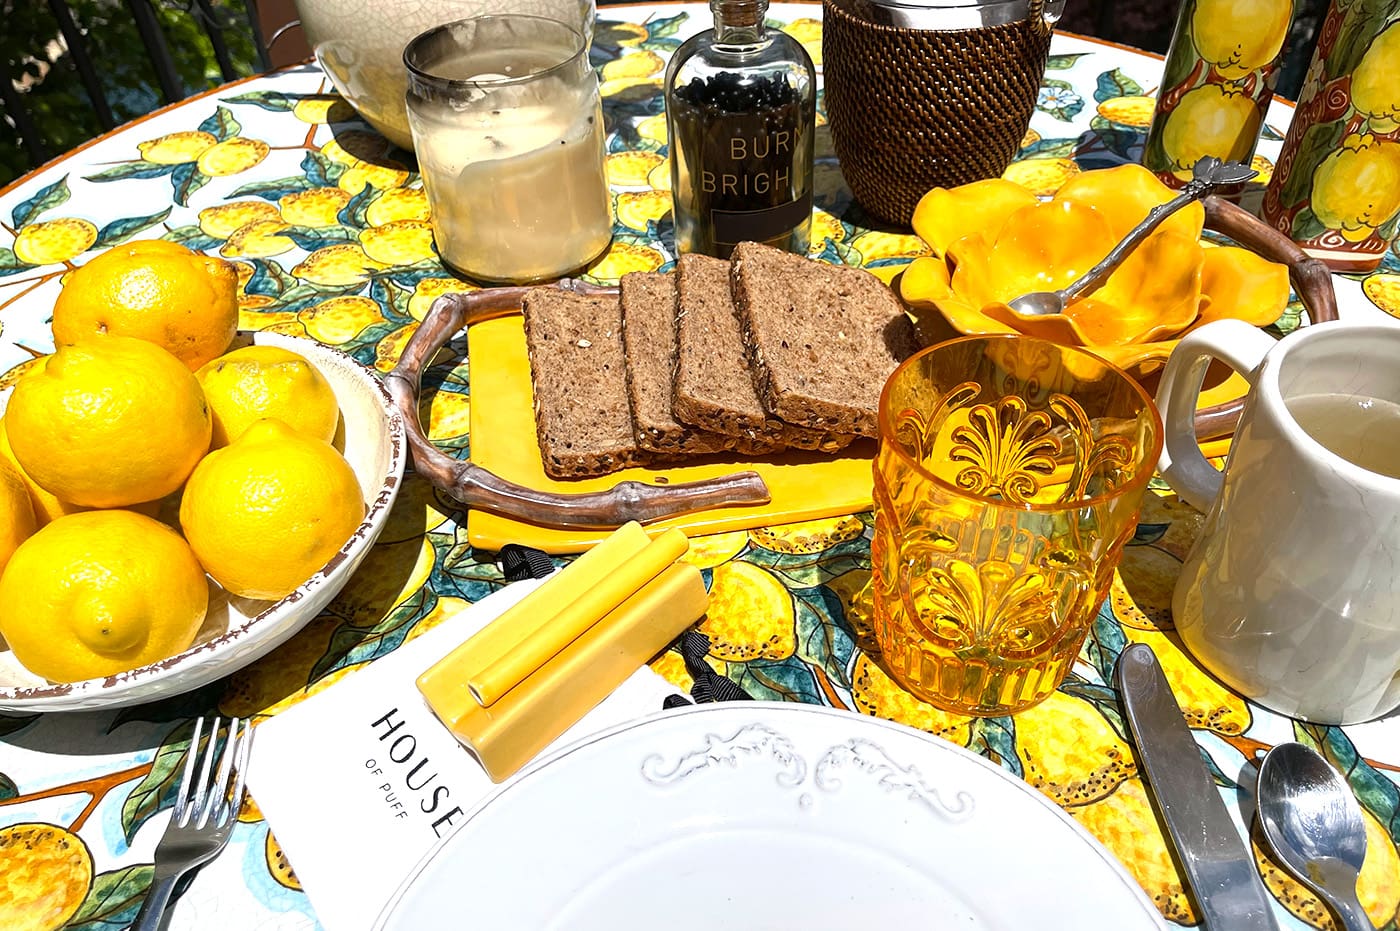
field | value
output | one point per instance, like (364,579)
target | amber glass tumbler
(1008,478)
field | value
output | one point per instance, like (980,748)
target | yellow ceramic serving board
(804,486)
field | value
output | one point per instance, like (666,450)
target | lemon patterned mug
(1336,188)
(1217,83)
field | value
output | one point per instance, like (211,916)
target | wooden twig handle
(1311,279)
(478,488)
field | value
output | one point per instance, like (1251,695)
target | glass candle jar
(507,124)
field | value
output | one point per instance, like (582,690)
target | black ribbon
(709,686)
(523,562)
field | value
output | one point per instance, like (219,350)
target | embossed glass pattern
(1008,478)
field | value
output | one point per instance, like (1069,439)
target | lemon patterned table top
(328,225)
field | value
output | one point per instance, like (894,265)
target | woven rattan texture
(912,109)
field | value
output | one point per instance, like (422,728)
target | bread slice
(649,344)
(582,417)
(714,389)
(822,340)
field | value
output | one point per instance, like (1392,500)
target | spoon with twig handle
(1209,175)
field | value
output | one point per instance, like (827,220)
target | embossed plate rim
(587,771)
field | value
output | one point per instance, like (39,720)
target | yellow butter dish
(528,676)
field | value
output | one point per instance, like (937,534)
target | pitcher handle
(1240,346)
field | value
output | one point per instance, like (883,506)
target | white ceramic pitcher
(1291,594)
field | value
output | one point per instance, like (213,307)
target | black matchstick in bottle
(740,117)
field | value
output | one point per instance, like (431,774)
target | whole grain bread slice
(822,339)
(714,389)
(649,343)
(582,416)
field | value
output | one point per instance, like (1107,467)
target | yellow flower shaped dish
(994,240)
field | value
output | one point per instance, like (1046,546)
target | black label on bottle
(735,226)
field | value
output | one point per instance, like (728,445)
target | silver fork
(204,816)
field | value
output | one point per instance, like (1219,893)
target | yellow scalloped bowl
(994,240)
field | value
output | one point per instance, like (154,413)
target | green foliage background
(59,106)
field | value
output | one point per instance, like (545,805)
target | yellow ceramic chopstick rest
(529,675)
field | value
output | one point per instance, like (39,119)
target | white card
(365,774)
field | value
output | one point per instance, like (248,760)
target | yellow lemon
(340,319)
(1125,823)
(630,169)
(637,64)
(653,127)
(624,257)
(389,350)
(750,616)
(342,264)
(111,423)
(619,85)
(316,208)
(1384,292)
(278,866)
(659,175)
(101,592)
(46,506)
(45,873)
(223,220)
(16,513)
(635,208)
(317,110)
(404,203)
(1375,84)
(50,242)
(1210,120)
(1240,36)
(808,536)
(429,290)
(1041,176)
(399,242)
(258,240)
(176,148)
(254,382)
(1134,110)
(1357,188)
(390,174)
(876,694)
(270,509)
(232,156)
(354,146)
(159,291)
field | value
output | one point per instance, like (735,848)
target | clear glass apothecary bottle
(740,119)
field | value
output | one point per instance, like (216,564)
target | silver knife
(1217,861)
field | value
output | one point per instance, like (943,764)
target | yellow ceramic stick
(550,700)
(446,684)
(492,674)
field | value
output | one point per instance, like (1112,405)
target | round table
(260,171)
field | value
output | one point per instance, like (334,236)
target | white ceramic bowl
(237,631)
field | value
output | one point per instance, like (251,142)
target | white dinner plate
(761,815)
(237,631)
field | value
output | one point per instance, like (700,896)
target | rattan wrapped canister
(911,108)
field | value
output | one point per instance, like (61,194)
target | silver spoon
(1313,823)
(1208,175)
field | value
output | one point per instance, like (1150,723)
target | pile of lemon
(141,422)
